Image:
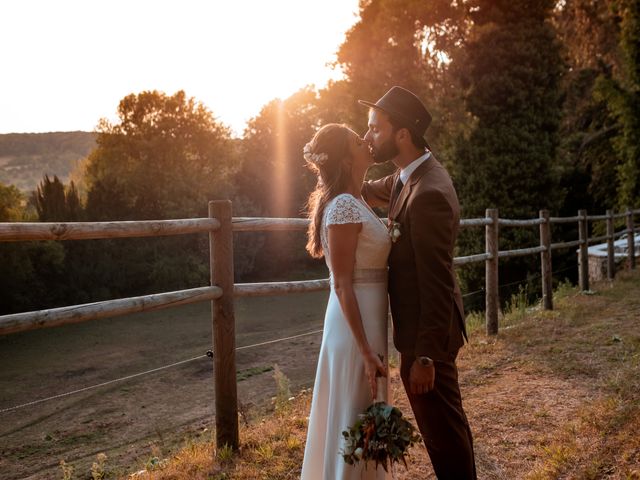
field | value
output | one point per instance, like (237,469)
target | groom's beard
(387,151)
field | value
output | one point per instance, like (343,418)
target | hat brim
(369,104)
(396,114)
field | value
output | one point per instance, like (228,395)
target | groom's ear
(403,134)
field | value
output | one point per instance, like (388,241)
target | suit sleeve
(378,192)
(432,232)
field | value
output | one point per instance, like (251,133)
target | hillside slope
(26,157)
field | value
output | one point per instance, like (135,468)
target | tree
(28,270)
(621,93)
(165,158)
(54,204)
(589,32)
(399,42)
(11,208)
(274,179)
(273,173)
(509,71)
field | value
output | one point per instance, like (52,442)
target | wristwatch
(424,361)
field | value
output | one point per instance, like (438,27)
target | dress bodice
(374,243)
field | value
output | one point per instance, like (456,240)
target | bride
(355,244)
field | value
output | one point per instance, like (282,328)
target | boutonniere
(394,231)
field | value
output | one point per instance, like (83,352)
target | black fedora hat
(406,107)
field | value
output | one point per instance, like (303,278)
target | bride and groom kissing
(406,262)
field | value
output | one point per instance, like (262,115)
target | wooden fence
(220,225)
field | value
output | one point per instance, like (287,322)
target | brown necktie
(395,194)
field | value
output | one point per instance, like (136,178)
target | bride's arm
(343,239)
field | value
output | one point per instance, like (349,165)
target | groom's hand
(421,378)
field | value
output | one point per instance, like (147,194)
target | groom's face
(381,137)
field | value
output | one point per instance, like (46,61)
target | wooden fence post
(492,298)
(224,335)
(545,261)
(631,248)
(583,257)
(611,259)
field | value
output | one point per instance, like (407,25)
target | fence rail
(53,317)
(18,231)
(220,225)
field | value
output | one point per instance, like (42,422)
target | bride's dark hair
(325,155)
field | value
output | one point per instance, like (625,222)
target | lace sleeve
(344,209)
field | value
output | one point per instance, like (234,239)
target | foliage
(399,42)
(26,268)
(165,158)
(586,151)
(283,388)
(273,179)
(54,204)
(11,200)
(98,469)
(622,96)
(381,434)
(67,470)
(509,71)
(589,33)
(273,174)
(600,118)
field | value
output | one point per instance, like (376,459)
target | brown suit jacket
(426,304)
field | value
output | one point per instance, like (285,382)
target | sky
(67,63)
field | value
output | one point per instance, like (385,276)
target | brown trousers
(442,422)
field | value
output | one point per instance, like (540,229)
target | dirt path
(544,394)
(150,415)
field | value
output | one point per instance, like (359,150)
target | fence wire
(153,370)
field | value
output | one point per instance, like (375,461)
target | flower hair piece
(315,158)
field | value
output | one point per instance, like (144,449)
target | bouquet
(380,434)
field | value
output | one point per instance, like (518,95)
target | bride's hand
(373,368)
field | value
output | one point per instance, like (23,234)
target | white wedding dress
(341,391)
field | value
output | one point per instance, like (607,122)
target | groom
(426,304)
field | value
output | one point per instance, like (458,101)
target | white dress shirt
(406,172)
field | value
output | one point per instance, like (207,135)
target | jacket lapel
(406,190)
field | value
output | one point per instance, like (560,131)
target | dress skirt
(341,391)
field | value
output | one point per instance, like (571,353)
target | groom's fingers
(417,388)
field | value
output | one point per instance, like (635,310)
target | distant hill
(26,157)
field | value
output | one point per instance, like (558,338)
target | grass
(271,448)
(554,395)
(252,372)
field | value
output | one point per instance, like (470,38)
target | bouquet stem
(381,395)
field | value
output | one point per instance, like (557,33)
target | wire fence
(209,353)
(220,226)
